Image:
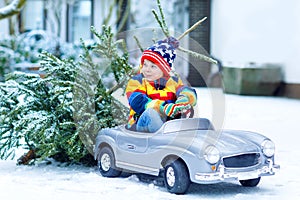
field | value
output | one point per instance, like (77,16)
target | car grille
(242,160)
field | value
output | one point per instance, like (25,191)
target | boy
(154,95)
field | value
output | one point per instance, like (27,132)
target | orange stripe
(171,109)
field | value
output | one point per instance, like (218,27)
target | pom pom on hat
(162,53)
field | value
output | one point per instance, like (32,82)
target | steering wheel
(188,113)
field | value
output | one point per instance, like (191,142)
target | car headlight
(211,154)
(268,148)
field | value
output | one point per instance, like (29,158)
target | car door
(133,153)
(133,142)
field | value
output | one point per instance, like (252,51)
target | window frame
(70,19)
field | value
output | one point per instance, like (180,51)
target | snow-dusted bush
(59,116)
(27,47)
(6,60)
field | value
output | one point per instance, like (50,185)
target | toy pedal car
(185,151)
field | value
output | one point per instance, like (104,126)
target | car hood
(228,142)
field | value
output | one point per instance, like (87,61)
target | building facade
(259,31)
(235,31)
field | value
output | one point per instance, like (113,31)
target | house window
(33,15)
(79,20)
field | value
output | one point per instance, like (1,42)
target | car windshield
(187,124)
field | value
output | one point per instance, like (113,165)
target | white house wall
(258,31)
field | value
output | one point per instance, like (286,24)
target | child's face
(151,71)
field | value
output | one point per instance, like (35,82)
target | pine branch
(163,18)
(118,85)
(164,28)
(198,55)
(138,43)
(166,32)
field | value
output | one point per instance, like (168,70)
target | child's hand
(182,100)
(172,109)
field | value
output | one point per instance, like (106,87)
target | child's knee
(151,111)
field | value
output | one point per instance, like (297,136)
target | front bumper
(228,174)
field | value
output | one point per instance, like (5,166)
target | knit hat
(162,53)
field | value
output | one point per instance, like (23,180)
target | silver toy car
(185,151)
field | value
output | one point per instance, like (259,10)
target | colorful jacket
(142,94)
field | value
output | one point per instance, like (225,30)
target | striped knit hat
(162,53)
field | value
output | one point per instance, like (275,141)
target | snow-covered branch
(13,8)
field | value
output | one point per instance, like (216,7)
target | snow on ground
(277,118)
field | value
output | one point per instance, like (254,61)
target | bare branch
(123,17)
(191,28)
(13,8)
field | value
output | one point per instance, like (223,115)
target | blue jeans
(150,121)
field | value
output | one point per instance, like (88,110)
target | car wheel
(250,182)
(176,177)
(106,163)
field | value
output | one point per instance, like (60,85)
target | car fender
(104,140)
